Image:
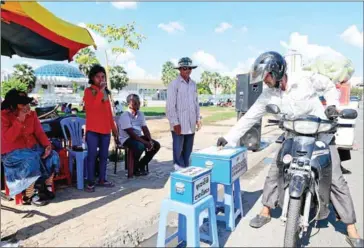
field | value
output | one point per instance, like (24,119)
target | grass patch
(214,113)
(153,111)
(219,116)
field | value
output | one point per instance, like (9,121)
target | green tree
(203,89)
(118,78)
(12,83)
(168,73)
(228,84)
(356,92)
(121,38)
(25,74)
(74,87)
(213,80)
(85,59)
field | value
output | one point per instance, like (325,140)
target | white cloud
(223,27)
(100,41)
(242,67)
(353,36)
(301,44)
(244,29)
(119,58)
(174,61)
(125,5)
(207,61)
(171,27)
(136,72)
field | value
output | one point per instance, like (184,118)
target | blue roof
(61,70)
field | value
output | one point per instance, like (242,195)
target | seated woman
(131,124)
(26,152)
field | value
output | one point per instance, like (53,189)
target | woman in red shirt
(99,124)
(25,149)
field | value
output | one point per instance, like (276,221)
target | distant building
(58,78)
(149,88)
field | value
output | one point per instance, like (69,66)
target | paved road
(328,233)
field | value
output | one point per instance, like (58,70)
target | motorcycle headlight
(324,127)
(288,125)
(306,127)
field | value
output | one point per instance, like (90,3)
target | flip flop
(259,221)
(354,242)
(105,184)
(90,188)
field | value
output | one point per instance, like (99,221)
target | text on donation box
(239,166)
(201,188)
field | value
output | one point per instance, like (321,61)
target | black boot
(344,171)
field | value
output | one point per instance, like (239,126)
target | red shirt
(98,112)
(19,135)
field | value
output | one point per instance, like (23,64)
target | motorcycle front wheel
(291,235)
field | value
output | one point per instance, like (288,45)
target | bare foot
(265,212)
(352,232)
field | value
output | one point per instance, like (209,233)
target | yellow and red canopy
(29,30)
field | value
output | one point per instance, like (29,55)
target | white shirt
(128,120)
(182,105)
(300,98)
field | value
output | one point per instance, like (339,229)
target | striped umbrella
(31,31)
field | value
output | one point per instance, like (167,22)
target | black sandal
(90,188)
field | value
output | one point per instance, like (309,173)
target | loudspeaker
(251,139)
(246,93)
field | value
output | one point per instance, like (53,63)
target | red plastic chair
(64,168)
(18,197)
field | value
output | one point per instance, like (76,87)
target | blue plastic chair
(188,223)
(75,126)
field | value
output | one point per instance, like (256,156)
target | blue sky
(220,36)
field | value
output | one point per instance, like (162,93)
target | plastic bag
(336,67)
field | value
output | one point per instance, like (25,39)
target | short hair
(132,97)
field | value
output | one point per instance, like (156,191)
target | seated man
(131,125)
(26,152)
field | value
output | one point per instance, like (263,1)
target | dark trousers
(339,196)
(94,141)
(182,148)
(138,148)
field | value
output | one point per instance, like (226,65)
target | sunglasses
(186,68)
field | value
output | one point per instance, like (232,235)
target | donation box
(227,163)
(191,184)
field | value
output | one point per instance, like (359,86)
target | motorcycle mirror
(348,114)
(272,109)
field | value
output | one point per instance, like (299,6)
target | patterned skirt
(23,167)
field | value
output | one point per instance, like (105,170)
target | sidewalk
(122,216)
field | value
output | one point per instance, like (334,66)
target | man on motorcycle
(295,96)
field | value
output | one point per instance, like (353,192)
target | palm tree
(25,74)
(216,81)
(168,73)
(85,59)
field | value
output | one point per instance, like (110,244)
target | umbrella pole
(109,85)
(112,142)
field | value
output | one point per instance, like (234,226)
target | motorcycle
(304,162)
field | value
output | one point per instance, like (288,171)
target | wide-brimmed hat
(14,96)
(185,62)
